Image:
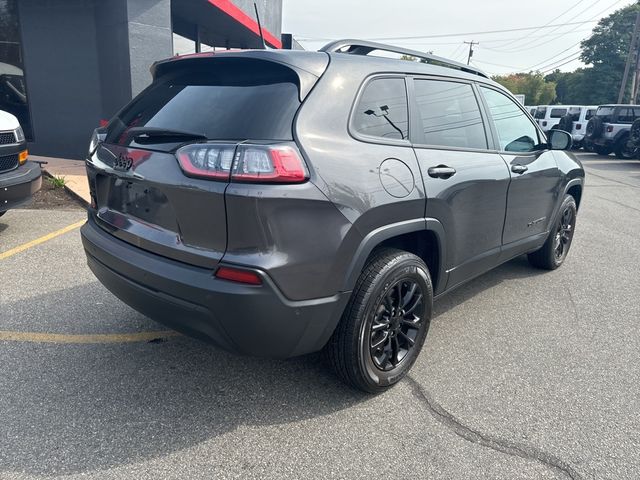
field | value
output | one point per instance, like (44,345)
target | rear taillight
(609,128)
(244,163)
(578,126)
(207,160)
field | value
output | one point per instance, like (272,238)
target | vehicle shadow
(518,268)
(69,408)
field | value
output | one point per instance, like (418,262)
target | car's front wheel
(385,323)
(556,247)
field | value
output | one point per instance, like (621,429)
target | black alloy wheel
(385,323)
(564,233)
(556,247)
(396,323)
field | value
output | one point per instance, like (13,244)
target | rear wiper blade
(162,135)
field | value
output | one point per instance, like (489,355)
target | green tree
(533,86)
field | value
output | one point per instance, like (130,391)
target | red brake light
(280,163)
(244,163)
(578,126)
(609,128)
(238,275)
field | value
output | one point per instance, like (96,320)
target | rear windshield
(540,112)
(558,112)
(605,113)
(227,102)
(590,113)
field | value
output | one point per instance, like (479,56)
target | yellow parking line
(37,337)
(38,241)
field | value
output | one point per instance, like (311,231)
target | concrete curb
(67,189)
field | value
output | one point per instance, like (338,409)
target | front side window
(450,114)
(516,133)
(13,89)
(382,110)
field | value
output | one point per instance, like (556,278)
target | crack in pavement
(495,443)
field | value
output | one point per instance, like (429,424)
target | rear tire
(385,322)
(556,248)
(602,150)
(623,149)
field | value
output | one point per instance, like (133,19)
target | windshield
(243,105)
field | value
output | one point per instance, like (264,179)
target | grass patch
(57,182)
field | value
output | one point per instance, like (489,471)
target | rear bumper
(17,186)
(252,320)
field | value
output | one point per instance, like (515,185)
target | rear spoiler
(308,66)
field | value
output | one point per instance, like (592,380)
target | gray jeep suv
(278,203)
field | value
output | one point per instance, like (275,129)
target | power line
(533,44)
(462,34)
(553,19)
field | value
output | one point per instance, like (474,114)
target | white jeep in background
(19,178)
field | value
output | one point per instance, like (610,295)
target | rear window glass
(575,113)
(382,110)
(231,102)
(590,113)
(541,112)
(558,112)
(605,113)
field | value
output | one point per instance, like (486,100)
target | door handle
(519,168)
(441,171)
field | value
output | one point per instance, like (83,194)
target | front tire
(385,322)
(555,249)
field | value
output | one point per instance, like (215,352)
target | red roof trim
(239,16)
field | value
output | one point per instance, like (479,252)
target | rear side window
(625,115)
(558,112)
(590,113)
(382,110)
(516,133)
(541,112)
(229,102)
(450,114)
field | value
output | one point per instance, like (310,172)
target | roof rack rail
(362,47)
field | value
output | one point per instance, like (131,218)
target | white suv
(580,123)
(548,116)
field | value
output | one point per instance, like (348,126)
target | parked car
(609,130)
(277,203)
(531,110)
(548,116)
(19,178)
(575,122)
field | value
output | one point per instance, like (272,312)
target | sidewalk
(74,174)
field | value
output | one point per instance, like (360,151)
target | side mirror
(559,140)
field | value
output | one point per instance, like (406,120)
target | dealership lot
(525,374)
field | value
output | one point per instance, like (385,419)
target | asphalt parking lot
(525,374)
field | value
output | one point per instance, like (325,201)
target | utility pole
(632,59)
(471,44)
